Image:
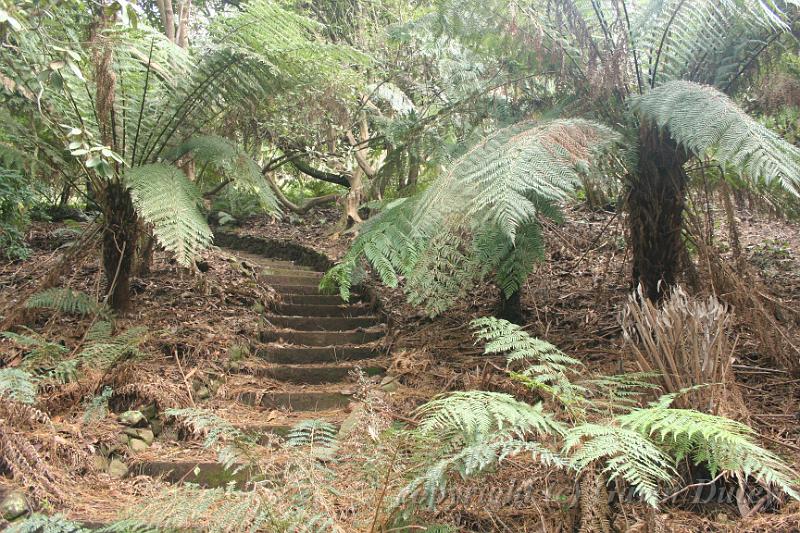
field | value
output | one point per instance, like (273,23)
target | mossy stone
(14,505)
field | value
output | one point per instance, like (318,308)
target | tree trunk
(167,18)
(511,307)
(655,213)
(119,244)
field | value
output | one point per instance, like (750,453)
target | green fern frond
(709,124)
(102,352)
(623,453)
(40,523)
(65,301)
(231,443)
(165,198)
(18,385)
(718,442)
(233,164)
(314,433)
(42,352)
(476,415)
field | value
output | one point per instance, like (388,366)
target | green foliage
(709,124)
(18,385)
(231,163)
(312,433)
(722,444)
(644,447)
(231,443)
(15,197)
(219,510)
(481,216)
(167,200)
(64,300)
(40,523)
(97,407)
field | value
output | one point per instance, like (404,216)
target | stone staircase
(310,343)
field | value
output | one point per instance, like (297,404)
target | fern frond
(312,433)
(103,351)
(718,442)
(40,523)
(233,164)
(232,444)
(42,353)
(65,301)
(165,198)
(709,124)
(625,453)
(476,415)
(17,385)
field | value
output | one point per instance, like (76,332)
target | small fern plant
(641,446)
(232,444)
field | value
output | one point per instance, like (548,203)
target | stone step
(315,374)
(286,265)
(271,271)
(322,309)
(206,474)
(322,338)
(315,354)
(293,281)
(293,288)
(317,323)
(297,401)
(315,299)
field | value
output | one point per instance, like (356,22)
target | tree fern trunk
(119,244)
(511,307)
(655,213)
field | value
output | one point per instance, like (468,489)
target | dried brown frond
(685,341)
(18,451)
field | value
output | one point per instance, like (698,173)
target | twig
(183,375)
(684,489)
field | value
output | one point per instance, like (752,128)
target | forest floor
(199,324)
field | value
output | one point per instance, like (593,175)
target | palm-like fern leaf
(709,124)
(165,198)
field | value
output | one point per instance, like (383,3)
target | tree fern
(479,217)
(165,198)
(65,301)
(233,164)
(709,124)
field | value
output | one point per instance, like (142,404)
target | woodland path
(307,348)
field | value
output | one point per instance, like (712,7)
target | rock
(117,469)
(141,434)
(225,219)
(99,462)
(352,420)
(149,411)
(13,506)
(137,445)
(133,419)
(202,393)
(389,384)
(157,426)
